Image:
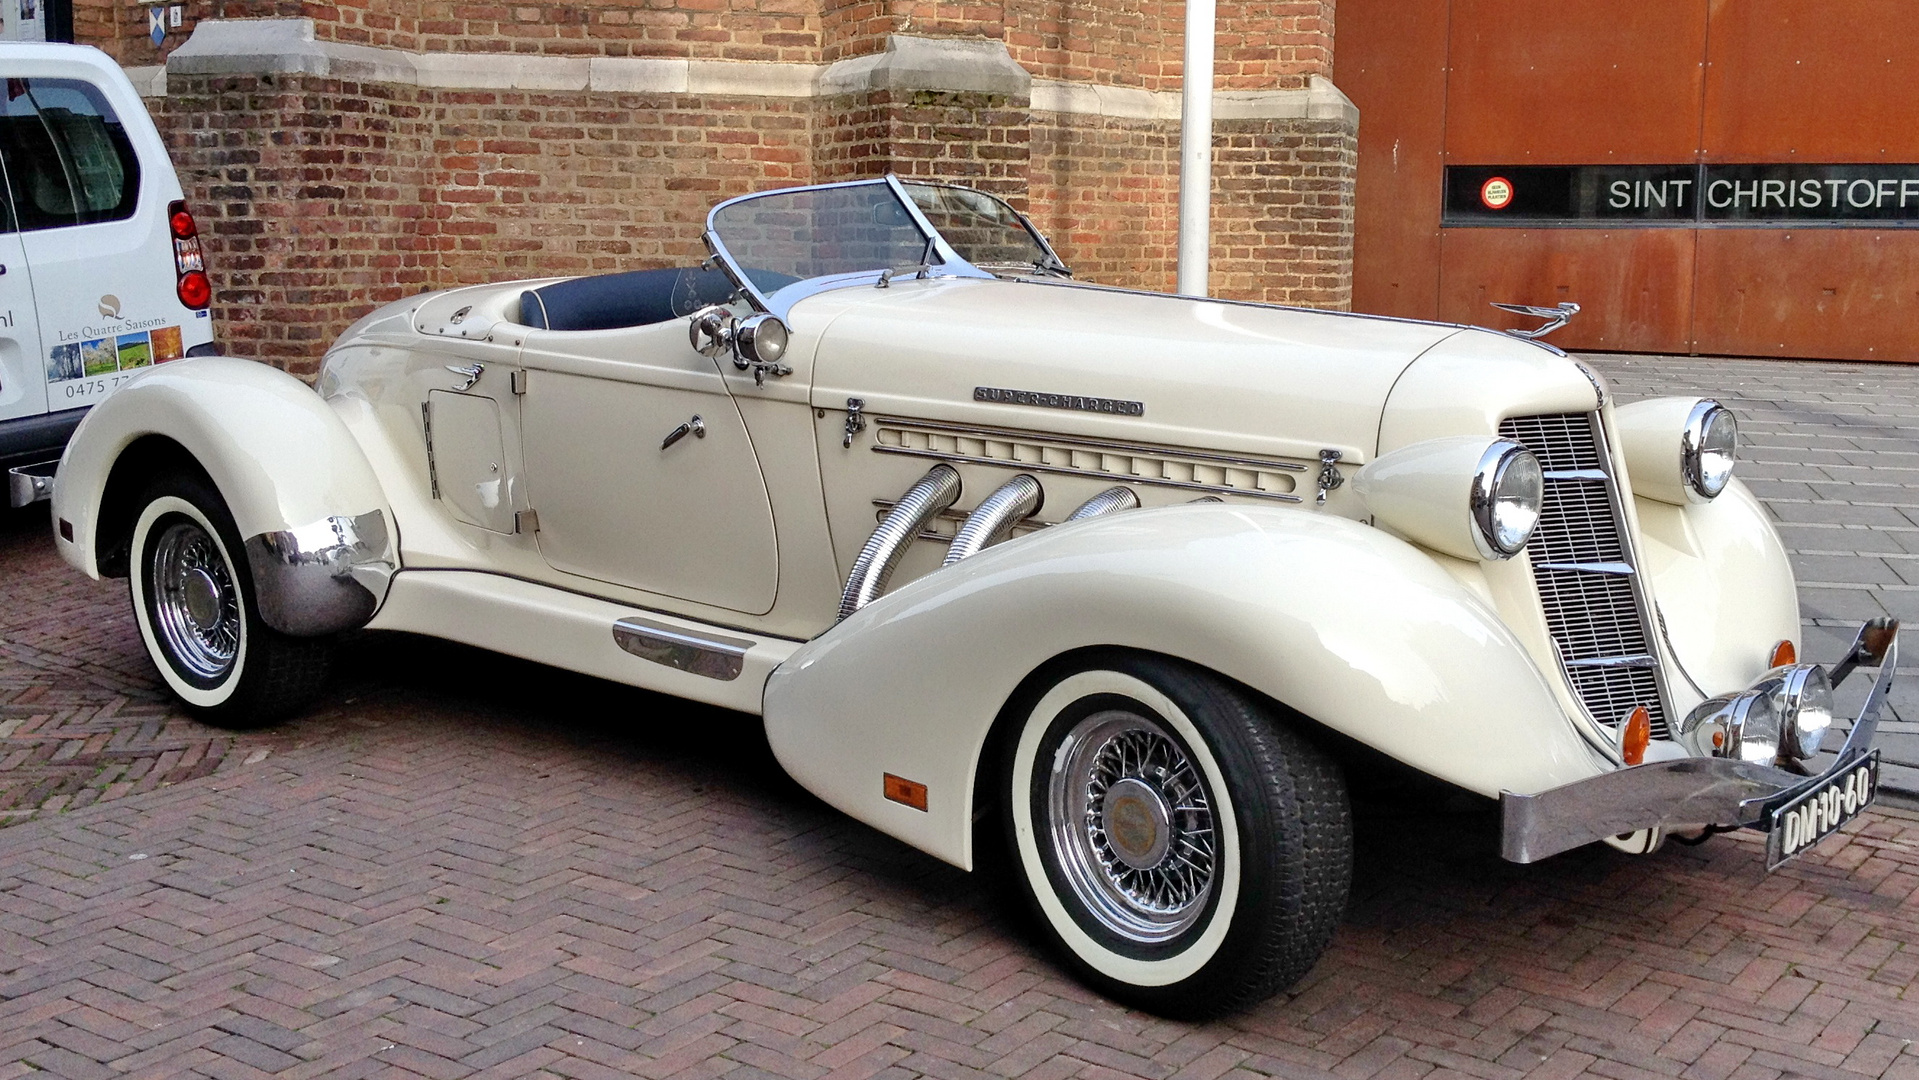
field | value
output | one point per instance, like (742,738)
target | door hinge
(526,522)
(426,431)
(518,381)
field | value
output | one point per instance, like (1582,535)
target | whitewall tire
(1184,850)
(194,602)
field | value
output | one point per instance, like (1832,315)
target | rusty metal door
(1776,88)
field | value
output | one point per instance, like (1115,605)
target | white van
(101,272)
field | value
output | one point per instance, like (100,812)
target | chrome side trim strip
(1099,446)
(1615,569)
(1642,660)
(709,655)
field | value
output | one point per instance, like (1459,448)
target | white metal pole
(1196,149)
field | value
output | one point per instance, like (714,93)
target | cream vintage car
(1128,582)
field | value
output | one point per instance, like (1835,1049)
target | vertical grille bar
(1587,575)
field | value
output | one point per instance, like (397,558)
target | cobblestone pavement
(462,865)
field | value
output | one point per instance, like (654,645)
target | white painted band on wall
(288,46)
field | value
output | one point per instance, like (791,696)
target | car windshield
(984,230)
(782,237)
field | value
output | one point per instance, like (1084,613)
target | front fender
(1346,624)
(317,528)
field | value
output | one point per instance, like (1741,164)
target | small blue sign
(157,25)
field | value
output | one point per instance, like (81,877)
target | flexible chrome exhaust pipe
(994,518)
(924,501)
(1117,497)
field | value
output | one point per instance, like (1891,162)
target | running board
(655,651)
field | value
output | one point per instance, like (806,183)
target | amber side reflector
(1637,735)
(1783,654)
(66,530)
(905,792)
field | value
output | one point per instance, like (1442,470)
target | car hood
(1141,367)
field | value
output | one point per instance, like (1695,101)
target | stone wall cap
(917,63)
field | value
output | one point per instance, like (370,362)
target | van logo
(110,306)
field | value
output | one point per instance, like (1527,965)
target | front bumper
(1691,792)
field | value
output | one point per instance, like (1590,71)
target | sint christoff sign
(1573,195)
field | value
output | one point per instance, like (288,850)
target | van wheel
(1185,852)
(193,598)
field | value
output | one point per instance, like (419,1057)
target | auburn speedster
(1125,582)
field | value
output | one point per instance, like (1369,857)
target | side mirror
(710,330)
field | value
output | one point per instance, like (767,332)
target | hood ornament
(1556,317)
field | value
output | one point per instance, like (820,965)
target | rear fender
(318,532)
(1350,626)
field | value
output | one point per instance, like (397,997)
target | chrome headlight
(1707,448)
(1508,491)
(1469,496)
(1802,696)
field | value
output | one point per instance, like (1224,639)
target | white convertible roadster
(1130,580)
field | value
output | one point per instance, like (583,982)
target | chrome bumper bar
(29,484)
(1691,792)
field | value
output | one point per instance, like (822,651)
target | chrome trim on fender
(1693,791)
(899,427)
(710,655)
(325,577)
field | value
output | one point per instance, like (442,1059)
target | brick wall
(321,198)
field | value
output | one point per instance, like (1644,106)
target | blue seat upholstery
(612,301)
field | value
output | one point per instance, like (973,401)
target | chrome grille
(1585,571)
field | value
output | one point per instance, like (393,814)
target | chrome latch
(761,369)
(855,421)
(1329,477)
(472,372)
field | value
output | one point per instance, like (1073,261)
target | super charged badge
(1496,193)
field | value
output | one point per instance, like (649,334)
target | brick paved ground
(458,865)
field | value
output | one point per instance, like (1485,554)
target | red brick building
(345,154)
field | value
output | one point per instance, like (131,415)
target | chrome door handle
(695,427)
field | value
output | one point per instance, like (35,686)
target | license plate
(1824,810)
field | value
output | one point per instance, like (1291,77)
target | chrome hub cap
(1131,826)
(196,609)
(1138,823)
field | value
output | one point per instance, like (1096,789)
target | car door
(23,376)
(640,468)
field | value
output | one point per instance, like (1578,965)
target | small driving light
(1783,654)
(1802,696)
(1753,731)
(1635,735)
(762,338)
(1507,493)
(1707,448)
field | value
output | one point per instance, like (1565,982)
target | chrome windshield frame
(780,302)
(1053,261)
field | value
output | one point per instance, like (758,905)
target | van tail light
(189,261)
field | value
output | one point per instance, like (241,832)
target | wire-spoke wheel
(194,603)
(1132,826)
(195,600)
(1186,849)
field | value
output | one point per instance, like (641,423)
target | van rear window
(67,157)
